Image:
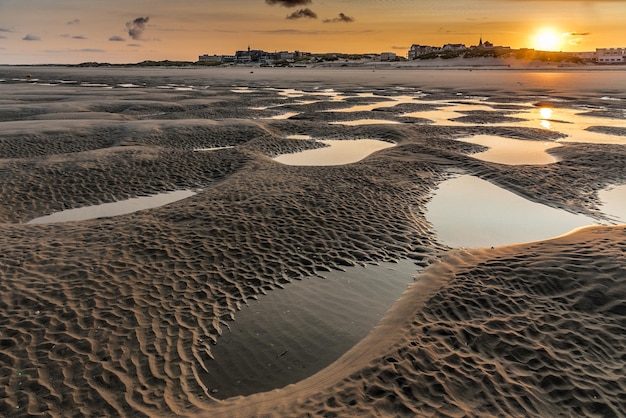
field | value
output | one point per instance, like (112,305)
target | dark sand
(118,316)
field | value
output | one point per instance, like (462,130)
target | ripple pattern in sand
(535,331)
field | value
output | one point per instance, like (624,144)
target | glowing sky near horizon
(73,31)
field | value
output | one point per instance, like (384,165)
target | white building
(586,56)
(611,55)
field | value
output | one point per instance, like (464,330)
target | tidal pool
(511,151)
(286,115)
(337,152)
(573,123)
(360,122)
(286,336)
(213,148)
(614,202)
(469,212)
(122,207)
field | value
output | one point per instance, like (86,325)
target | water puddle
(286,336)
(94,85)
(243,90)
(337,152)
(360,122)
(469,212)
(393,101)
(614,202)
(512,151)
(106,210)
(282,116)
(447,111)
(573,123)
(212,149)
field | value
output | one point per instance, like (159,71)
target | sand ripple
(117,316)
(534,330)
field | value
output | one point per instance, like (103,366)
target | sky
(128,31)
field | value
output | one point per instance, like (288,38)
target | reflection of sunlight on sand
(469,212)
(337,152)
(512,151)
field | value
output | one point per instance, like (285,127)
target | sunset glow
(116,31)
(548,40)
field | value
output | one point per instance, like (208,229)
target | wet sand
(120,316)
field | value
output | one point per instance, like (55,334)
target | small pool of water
(614,202)
(469,212)
(573,123)
(392,101)
(360,122)
(338,152)
(213,149)
(122,207)
(289,335)
(512,151)
(282,116)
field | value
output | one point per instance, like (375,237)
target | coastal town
(483,49)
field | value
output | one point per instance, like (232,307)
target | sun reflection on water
(546,114)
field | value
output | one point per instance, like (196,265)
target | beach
(162,311)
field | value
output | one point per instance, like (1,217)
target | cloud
(303,13)
(576,38)
(74,22)
(4,30)
(136,27)
(289,3)
(117,39)
(135,45)
(65,35)
(3,37)
(341,18)
(31,37)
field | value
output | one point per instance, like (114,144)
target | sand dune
(119,316)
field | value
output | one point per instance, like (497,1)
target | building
(210,58)
(417,50)
(453,47)
(250,55)
(611,55)
(388,56)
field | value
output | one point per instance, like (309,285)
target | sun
(547,40)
